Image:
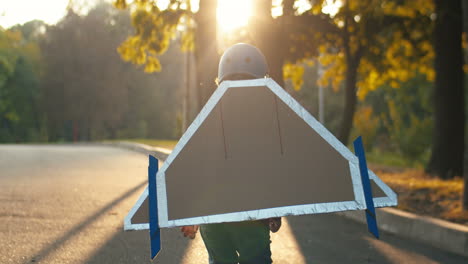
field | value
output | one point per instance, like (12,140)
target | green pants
(241,242)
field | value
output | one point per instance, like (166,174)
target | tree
(84,97)
(8,53)
(90,93)
(363,44)
(31,31)
(156,25)
(449,116)
(206,53)
(20,119)
(404,119)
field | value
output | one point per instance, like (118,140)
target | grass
(392,159)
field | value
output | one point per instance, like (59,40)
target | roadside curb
(159,153)
(438,233)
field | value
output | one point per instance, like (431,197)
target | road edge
(158,152)
(435,232)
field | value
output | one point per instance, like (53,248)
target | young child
(238,242)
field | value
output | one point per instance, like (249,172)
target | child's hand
(189,231)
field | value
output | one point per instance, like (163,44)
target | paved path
(66,204)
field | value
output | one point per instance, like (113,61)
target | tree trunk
(350,98)
(206,53)
(465,194)
(465,29)
(449,119)
(268,35)
(352,63)
(465,16)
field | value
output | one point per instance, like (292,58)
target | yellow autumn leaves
(390,59)
(155,29)
(398,65)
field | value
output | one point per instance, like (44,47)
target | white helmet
(242,58)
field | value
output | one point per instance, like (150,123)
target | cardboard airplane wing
(254,152)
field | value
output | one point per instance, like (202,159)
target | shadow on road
(133,247)
(80,227)
(329,238)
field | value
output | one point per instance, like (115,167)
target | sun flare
(22,11)
(233,14)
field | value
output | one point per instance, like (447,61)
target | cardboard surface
(376,191)
(253,152)
(141,216)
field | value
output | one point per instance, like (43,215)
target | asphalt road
(66,204)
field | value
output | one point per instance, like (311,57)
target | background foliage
(67,82)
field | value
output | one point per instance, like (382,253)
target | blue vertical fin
(370,211)
(155,231)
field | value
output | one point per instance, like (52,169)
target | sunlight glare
(21,11)
(49,11)
(331,7)
(233,14)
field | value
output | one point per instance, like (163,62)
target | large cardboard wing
(254,152)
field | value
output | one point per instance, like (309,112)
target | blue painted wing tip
(153,161)
(155,231)
(155,243)
(372,224)
(370,211)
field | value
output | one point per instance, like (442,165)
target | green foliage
(395,123)
(31,31)
(366,125)
(389,158)
(20,118)
(9,52)
(404,118)
(416,140)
